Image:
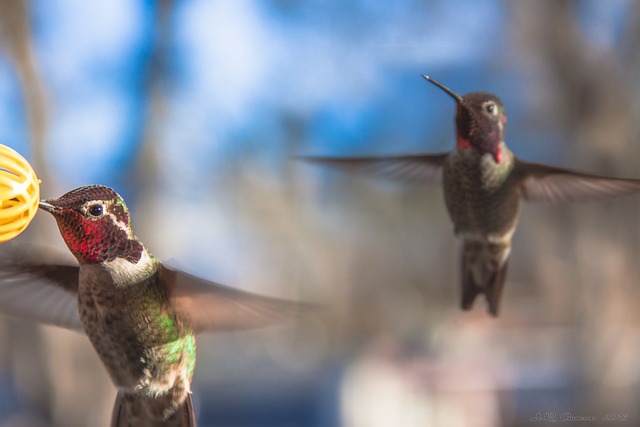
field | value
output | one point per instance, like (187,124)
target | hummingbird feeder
(19,193)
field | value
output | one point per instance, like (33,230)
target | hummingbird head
(480,121)
(95,224)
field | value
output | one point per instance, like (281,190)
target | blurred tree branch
(587,87)
(589,94)
(16,38)
(29,366)
(147,165)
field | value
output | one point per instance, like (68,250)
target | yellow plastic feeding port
(19,193)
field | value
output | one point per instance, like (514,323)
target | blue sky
(237,67)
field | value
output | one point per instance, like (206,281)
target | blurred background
(192,110)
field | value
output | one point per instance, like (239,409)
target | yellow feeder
(19,193)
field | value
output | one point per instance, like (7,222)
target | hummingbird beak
(46,206)
(454,95)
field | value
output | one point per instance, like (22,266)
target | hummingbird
(140,315)
(484,183)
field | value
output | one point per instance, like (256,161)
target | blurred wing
(542,183)
(213,307)
(40,285)
(416,168)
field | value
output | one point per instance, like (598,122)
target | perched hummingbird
(483,183)
(140,315)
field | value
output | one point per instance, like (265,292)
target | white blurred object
(384,388)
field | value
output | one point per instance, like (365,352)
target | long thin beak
(46,206)
(455,96)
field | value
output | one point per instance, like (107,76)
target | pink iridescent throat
(463,144)
(85,240)
(95,242)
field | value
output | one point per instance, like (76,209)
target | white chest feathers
(124,272)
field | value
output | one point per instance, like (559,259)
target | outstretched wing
(39,284)
(213,307)
(542,183)
(415,168)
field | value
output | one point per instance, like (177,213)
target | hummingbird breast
(145,347)
(481,196)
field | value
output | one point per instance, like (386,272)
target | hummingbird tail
(494,289)
(129,411)
(469,288)
(483,270)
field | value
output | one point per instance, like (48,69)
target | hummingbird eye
(491,108)
(96,210)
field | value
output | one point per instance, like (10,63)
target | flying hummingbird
(140,315)
(483,184)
